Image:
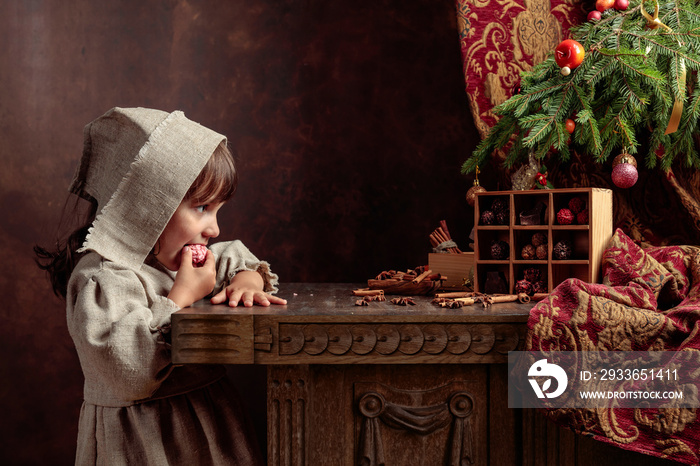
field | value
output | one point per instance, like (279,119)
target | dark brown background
(349,118)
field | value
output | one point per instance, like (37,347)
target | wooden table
(347,384)
(386,384)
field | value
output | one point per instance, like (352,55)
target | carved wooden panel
(215,340)
(416,426)
(396,342)
(287,415)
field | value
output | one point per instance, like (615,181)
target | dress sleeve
(117,330)
(233,257)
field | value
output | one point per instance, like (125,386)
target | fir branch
(621,96)
(589,134)
(538,132)
(677,77)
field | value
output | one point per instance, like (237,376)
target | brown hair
(217,182)
(60,262)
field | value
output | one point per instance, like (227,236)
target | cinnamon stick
(505,298)
(465,301)
(442,235)
(422,276)
(455,294)
(443,225)
(367,292)
(523,298)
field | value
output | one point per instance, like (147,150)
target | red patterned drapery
(501,38)
(623,314)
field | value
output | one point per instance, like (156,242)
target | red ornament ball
(565,217)
(594,15)
(569,54)
(602,5)
(621,4)
(624,175)
(582,217)
(570,125)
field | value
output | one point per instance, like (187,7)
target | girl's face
(192,223)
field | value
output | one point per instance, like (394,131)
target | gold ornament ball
(624,158)
(471,194)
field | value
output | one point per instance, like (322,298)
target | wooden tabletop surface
(336,299)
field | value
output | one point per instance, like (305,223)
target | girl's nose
(212,229)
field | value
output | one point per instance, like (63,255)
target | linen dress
(139,408)
(138,165)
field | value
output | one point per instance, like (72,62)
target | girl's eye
(201,208)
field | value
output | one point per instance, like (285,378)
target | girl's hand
(246,288)
(192,284)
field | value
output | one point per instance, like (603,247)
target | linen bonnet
(138,164)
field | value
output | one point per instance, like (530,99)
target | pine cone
(562,250)
(499,205)
(499,250)
(539,238)
(541,252)
(528,252)
(487,217)
(502,217)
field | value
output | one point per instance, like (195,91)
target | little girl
(156,182)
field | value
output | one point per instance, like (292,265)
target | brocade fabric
(649,301)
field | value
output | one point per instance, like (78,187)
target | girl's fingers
(210,260)
(248,298)
(234,298)
(261,299)
(276,299)
(219,298)
(265,299)
(186,257)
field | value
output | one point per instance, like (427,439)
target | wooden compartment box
(530,217)
(456,267)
